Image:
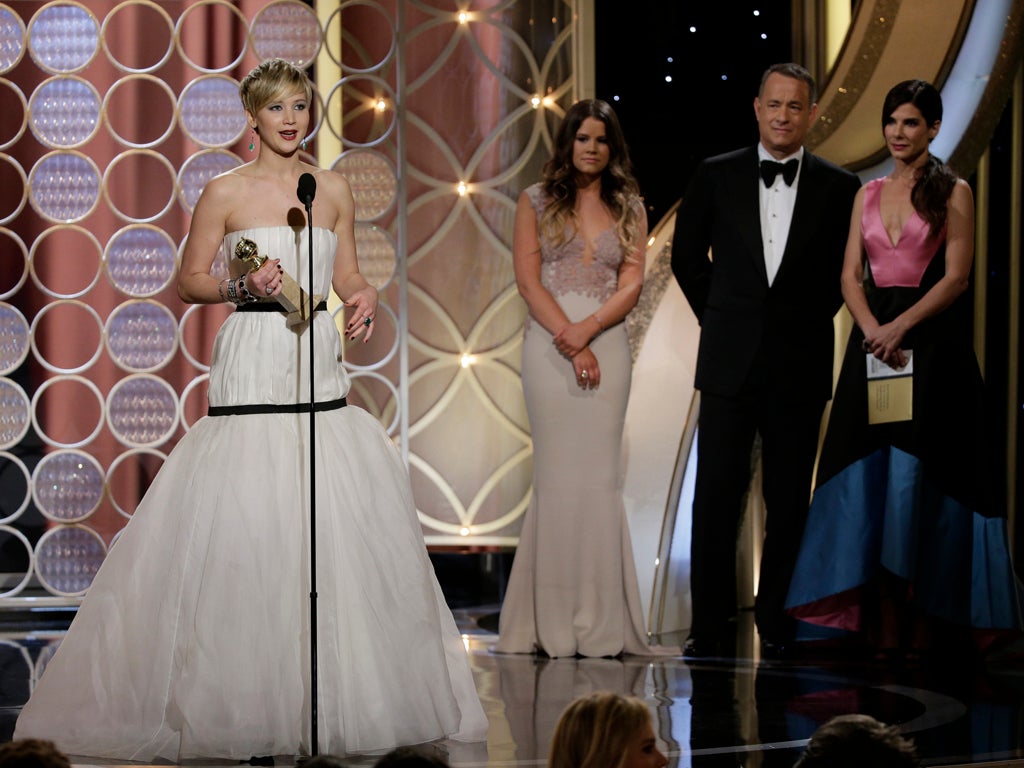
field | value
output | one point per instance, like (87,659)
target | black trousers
(725,438)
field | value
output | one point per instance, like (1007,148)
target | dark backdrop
(707,107)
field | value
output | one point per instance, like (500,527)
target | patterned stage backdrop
(117,113)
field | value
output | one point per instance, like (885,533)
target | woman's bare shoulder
(333,181)
(227,185)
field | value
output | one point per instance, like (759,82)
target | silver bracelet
(246,297)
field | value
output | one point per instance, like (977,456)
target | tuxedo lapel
(806,210)
(747,197)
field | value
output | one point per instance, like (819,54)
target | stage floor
(708,714)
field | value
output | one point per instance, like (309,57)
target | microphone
(307,189)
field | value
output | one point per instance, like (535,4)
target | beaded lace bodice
(563,269)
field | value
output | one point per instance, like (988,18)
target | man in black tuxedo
(775,218)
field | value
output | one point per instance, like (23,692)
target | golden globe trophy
(294,300)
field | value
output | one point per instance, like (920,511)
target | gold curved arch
(997,93)
(892,40)
(883,46)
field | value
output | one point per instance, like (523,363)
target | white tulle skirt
(194,640)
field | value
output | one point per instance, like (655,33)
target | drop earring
(252,139)
(303,145)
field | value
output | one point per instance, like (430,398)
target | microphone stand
(314,739)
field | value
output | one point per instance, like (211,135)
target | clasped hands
(573,342)
(885,343)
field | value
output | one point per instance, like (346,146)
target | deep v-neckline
(894,243)
(590,248)
(903,229)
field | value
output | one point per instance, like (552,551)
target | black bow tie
(770,169)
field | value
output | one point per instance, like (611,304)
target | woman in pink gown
(905,546)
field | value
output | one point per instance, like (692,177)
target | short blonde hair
(596,730)
(270,79)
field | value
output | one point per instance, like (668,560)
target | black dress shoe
(775,650)
(708,648)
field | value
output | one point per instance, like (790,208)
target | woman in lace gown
(194,641)
(578,250)
(904,543)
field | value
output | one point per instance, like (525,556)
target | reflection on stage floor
(715,713)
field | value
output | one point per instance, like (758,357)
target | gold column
(819,30)
(837,21)
(1013,321)
(584,50)
(327,73)
(981,239)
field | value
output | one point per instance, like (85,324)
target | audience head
(32,753)
(605,730)
(323,761)
(857,741)
(411,757)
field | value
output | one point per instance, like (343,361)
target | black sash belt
(245,410)
(273,306)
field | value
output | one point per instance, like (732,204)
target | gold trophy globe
(292,298)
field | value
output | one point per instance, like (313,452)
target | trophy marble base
(295,301)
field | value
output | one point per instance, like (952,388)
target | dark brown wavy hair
(619,188)
(32,753)
(855,741)
(935,184)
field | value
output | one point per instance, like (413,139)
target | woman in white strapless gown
(193,641)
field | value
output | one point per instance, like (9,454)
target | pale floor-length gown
(573,588)
(193,640)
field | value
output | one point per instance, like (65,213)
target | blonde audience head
(605,730)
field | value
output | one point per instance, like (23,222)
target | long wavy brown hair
(619,188)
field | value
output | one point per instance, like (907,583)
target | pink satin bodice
(903,263)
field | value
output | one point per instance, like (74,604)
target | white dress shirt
(777,203)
